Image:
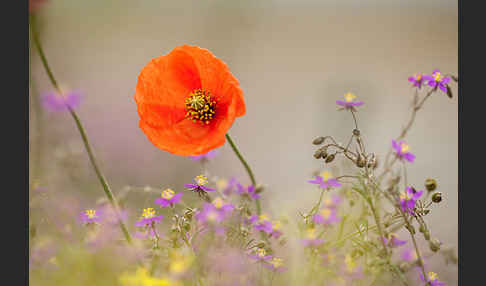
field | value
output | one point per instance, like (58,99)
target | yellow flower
(141,277)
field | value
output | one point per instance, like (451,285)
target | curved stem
(92,158)
(248,170)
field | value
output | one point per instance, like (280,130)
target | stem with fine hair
(92,158)
(248,170)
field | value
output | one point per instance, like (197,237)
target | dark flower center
(200,106)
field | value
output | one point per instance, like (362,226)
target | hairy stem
(92,158)
(248,170)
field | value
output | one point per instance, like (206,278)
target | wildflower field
(159,162)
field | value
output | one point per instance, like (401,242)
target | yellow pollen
(200,106)
(262,218)
(437,76)
(261,252)
(148,213)
(405,148)
(432,276)
(276,224)
(348,97)
(326,213)
(418,77)
(90,214)
(201,180)
(218,202)
(405,196)
(277,262)
(311,233)
(168,194)
(326,176)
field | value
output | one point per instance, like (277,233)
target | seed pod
(437,197)
(434,244)
(324,153)
(422,228)
(330,158)
(404,266)
(259,189)
(186,226)
(427,235)
(430,185)
(318,140)
(260,244)
(360,161)
(356,132)
(318,154)
(410,228)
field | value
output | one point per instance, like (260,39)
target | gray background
(293,60)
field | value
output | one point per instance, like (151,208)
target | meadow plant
(363,228)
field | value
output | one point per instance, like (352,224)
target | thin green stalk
(248,170)
(92,158)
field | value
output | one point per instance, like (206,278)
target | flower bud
(434,244)
(422,228)
(318,154)
(356,132)
(330,158)
(437,197)
(318,140)
(430,185)
(427,235)
(188,214)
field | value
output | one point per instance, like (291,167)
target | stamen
(148,213)
(200,106)
(90,213)
(168,194)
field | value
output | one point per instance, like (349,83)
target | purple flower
(417,80)
(325,181)
(148,218)
(90,217)
(432,279)
(332,202)
(225,186)
(437,80)
(262,223)
(205,157)
(168,198)
(217,211)
(276,233)
(201,180)
(393,241)
(326,216)
(349,101)
(249,191)
(402,151)
(409,254)
(55,102)
(409,198)
(260,255)
(311,238)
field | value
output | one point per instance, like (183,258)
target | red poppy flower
(187,100)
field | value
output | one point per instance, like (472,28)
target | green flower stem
(91,156)
(248,170)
